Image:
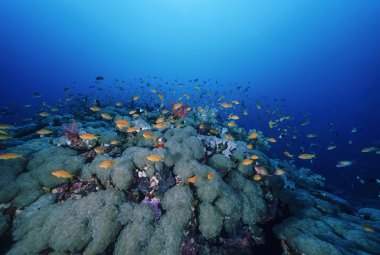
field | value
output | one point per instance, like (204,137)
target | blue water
(321,57)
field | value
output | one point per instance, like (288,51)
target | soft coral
(71,132)
(181,111)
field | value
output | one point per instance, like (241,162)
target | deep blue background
(322,56)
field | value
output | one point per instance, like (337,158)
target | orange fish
(233,117)
(159,120)
(193,179)
(279,172)
(254,157)
(107,164)
(247,162)
(161,125)
(256,177)
(272,140)
(154,158)
(61,174)
(210,175)
(114,142)
(249,146)
(106,116)
(231,124)
(122,124)
(226,105)
(135,98)
(177,106)
(253,135)
(230,137)
(87,136)
(99,150)
(10,156)
(133,129)
(148,135)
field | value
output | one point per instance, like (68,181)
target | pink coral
(71,132)
(181,111)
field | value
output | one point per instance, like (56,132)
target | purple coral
(154,203)
(71,132)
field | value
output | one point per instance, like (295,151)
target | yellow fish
(44,114)
(10,156)
(95,108)
(44,132)
(279,172)
(107,164)
(61,174)
(306,156)
(87,136)
(5,137)
(5,126)
(288,154)
(154,158)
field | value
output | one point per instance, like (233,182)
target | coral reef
(181,188)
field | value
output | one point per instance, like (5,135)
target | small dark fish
(99,78)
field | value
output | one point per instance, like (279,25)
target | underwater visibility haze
(189,127)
